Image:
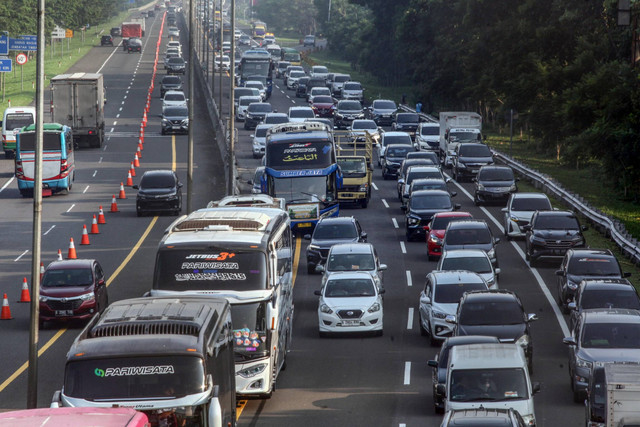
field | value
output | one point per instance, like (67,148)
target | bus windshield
(210,269)
(291,56)
(299,189)
(300,155)
(255,67)
(250,337)
(126,378)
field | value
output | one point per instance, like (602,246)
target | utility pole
(192,58)
(232,124)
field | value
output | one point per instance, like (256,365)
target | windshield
(474,151)
(297,74)
(174,97)
(322,99)
(258,67)
(464,137)
(585,266)
(476,264)
(530,204)
(602,298)
(467,236)
(468,385)
(399,151)
(431,201)
(175,112)
(172,80)
(430,130)
(18,120)
(51,141)
(157,181)
(496,174)
(407,118)
(491,313)
(396,139)
(67,277)
(261,132)
(290,56)
(451,294)
(210,269)
(250,329)
(135,378)
(352,86)
(292,189)
(352,165)
(320,69)
(349,105)
(557,222)
(176,61)
(365,124)
(331,230)
(384,105)
(259,108)
(350,262)
(301,113)
(611,335)
(348,288)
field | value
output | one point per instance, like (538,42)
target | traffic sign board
(68,33)
(21,58)
(6,65)
(29,43)
(4,45)
(58,33)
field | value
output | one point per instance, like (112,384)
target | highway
(341,381)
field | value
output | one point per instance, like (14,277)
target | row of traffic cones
(5,313)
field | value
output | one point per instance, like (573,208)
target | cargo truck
(455,128)
(77,101)
(141,22)
(355,158)
(613,395)
(131,29)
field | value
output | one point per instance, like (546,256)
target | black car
(469,157)
(134,45)
(159,191)
(106,40)
(602,293)
(327,233)
(346,112)
(551,233)
(441,363)
(175,119)
(151,14)
(580,264)
(498,313)
(406,122)
(422,206)
(382,111)
(395,155)
(115,32)
(430,155)
(170,83)
(301,87)
(494,183)
(471,234)
(255,114)
(176,65)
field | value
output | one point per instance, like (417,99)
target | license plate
(64,313)
(350,323)
(474,170)
(304,225)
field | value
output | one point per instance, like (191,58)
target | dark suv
(175,119)
(159,191)
(106,40)
(498,313)
(493,183)
(580,264)
(170,83)
(382,111)
(406,122)
(551,233)
(346,112)
(134,45)
(421,207)
(469,157)
(256,112)
(327,233)
(602,293)
(471,234)
(115,32)
(72,289)
(176,65)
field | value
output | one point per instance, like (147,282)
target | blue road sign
(4,45)
(5,65)
(24,43)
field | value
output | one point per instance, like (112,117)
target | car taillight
(64,168)
(19,170)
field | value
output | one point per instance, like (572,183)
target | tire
(311,268)
(532,262)
(379,333)
(409,236)
(430,257)
(423,331)
(577,396)
(364,203)
(432,341)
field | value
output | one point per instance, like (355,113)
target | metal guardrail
(613,229)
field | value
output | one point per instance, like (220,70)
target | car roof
(472,223)
(490,295)
(277,114)
(174,92)
(428,181)
(396,133)
(422,168)
(606,284)
(593,253)
(358,248)
(448,277)
(256,97)
(338,220)
(457,214)
(529,196)
(465,253)
(468,339)
(496,167)
(556,213)
(71,263)
(350,275)
(300,107)
(611,315)
(430,193)
(159,172)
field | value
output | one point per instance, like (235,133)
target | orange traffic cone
(141,131)
(114,205)
(129,180)
(101,218)
(139,154)
(136,160)
(6,311)
(41,270)
(121,195)
(59,255)
(85,236)
(24,295)
(94,226)
(140,144)
(132,171)
(144,118)
(71,254)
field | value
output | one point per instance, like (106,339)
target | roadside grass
(57,61)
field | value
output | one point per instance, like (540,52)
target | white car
(225,61)
(175,44)
(174,51)
(293,77)
(360,126)
(352,90)
(475,260)
(428,137)
(520,208)
(243,104)
(259,140)
(257,85)
(300,114)
(388,138)
(350,302)
(174,98)
(353,257)
(173,32)
(319,72)
(237,34)
(440,297)
(318,91)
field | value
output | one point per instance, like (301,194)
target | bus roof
(255,53)
(47,127)
(289,128)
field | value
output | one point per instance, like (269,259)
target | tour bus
(171,358)
(58,161)
(242,252)
(291,55)
(15,118)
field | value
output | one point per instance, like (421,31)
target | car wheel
(430,257)
(476,201)
(311,268)
(439,410)
(526,254)
(364,203)
(577,395)
(423,331)
(409,236)
(532,262)
(434,342)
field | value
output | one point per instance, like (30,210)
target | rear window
(407,118)
(244,101)
(51,142)
(18,120)
(450,294)
(301,113)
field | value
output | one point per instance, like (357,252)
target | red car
(323,106)
(435,231)
(72,289)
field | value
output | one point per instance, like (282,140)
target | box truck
(455,128)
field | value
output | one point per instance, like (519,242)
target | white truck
(614,398)
(458,127)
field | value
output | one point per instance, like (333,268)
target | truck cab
(355,159)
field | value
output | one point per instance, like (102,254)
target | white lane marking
(384,202)
(128,87)
(407,373)
(125,97)
(21,255)
(7,184)
(403,247)
(85,189)
(118,115)
(94,173)
(409,280)
(288,97)
(126,91)
(410,319)
(112,129)
(375,187)
(402,425)
(105,148)
(50,228)
(122,102)
(100,161)
(395,223)
(72,206)
(108,58)
(115,122)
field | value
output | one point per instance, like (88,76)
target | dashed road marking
(384,202)
(410,318)
(409,280)
(407,373)
(403,247)
(395,223)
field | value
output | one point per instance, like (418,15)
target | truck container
(613,398)
(455,128)
(141,21)
(77,100)
(131,29)
(355,158)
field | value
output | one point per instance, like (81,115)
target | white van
(490,376)
(15,118)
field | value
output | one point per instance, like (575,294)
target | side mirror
(584,228)
(496,240)
(135,187)
(180,185)
(252,136)
(307,237)
(559,273)
(318,293)
(363,235)
(474,179)
(426,228)
(451,318)
(382,267)
(526,227)
(572,305)
(535,387)
(404,208)
(381,291)
(453,193)
(504,210)
(320,268)
(456,206)
(250,182)
(497,271)
(425,300)
(532,317)
(432,363)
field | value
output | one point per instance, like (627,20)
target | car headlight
(529,420)
(413,221)
(438,314)
(572,285)
(314,247)
(491,253)
(513,187)
(523,341)
(582,363)
(514,218)
(325,309)
(165,122)
(481,187)
(461,165)
(577,239)
(44,298)
(374,307)
(452,153)
(252,371)
(88,297)
(538,240)
(364,188)
(185,122)
(434,239)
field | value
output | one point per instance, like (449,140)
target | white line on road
(403,247)
(85,189)
(409,281)
(7,184)
(120,109)
(384,202)
(72,206)
(407,373)
(50,228)
(21,255)
(118,116)
(115,122)
(375,187)
(410,319)
(128,87)
(112,129)
(395,223)
(95,172)
(105,148)
(122,102)
(125,97)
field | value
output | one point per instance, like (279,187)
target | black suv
(406,122)
(498,313)
(551,233)
(395,155)
(301,87)
(346,112)
(494,183)
(106,40)
(256,111)
(469,157)
(159,191)
(176,65)
(327,233)
(170,83)
(175,119)
(421,207)
(580,264)
(382,111)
